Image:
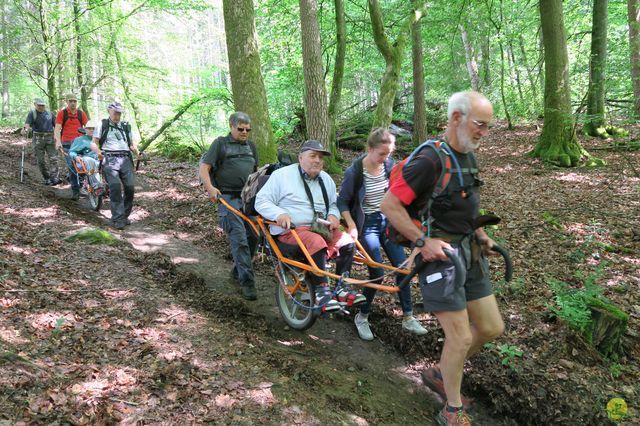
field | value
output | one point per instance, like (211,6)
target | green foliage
(173,145)
(93,236)
(572,304)
(550,219)
(509,353)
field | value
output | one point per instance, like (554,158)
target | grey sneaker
(362,325)
(412,325)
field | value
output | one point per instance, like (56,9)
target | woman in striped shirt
(364,185)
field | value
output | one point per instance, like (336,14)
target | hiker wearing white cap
(113,137)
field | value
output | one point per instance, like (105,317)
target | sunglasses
(72,100)
(243,129)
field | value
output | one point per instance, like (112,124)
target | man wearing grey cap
(42,123)
(113,137)
(305,196)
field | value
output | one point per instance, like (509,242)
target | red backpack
(448,160)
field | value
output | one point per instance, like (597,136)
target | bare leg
(458,340)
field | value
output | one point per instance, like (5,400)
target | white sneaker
(413,325)
(362,325)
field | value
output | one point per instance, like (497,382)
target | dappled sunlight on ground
(576,178)
(291,342)
(11,335)
(19,250)
(52,321)
(148,242)
(167,193)
(31,213)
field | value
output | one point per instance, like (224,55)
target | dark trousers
(121,180)
(73,177)
(242,240)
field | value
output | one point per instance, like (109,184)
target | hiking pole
(22,166)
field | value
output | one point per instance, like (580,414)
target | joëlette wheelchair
(295,297)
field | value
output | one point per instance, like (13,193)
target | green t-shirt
(238,163)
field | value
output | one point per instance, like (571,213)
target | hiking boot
(117,225)
(459,417)
(47,182)
(349,297)
(248,292)
(325,301)
(55,181)
(75,196)
(432,378)
(412,325)
(83,191)
(127,222)
(362,325)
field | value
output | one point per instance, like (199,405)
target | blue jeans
(73,177)
(242,240)
(373,239)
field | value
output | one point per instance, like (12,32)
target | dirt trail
(324,376)
(165,336)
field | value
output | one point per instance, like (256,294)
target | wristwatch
(420,241)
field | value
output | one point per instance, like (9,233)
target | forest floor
(151,329)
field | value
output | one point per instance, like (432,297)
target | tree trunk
(558,143)
(486,62)
(633,7)
(516,70)
(532,82)
(598,64)
(315,96)
(419,101)
(249,94)
(84,106)
(393,53)
(127,91)
(338,74)
(608,325)
(472,65)
(144,144)
(4,62)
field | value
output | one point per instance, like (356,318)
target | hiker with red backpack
(113,139)
(363,186)
(68,121)
(468,314)
(224,170)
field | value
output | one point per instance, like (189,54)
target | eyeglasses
(481,125)
(243,129)
(72,100)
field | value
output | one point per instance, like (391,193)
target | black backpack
(256,181)
(104,131)
(222,155)
(65,117)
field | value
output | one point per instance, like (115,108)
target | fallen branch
(124,402)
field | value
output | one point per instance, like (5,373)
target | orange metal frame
(259,226)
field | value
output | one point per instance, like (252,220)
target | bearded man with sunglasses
(224,170)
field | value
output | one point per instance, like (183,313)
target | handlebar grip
(460,272)
(508,264)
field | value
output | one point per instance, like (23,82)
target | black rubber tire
(297,317)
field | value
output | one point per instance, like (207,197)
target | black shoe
(54,181)
(75,196)
(248,292)
(47,182)
(117,225)
(127,222)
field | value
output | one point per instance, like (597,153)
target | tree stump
(608,325)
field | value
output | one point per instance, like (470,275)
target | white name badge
(434,277)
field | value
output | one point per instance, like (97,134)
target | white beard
(465,142)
